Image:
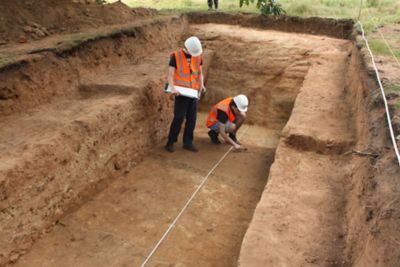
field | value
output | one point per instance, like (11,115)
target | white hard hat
(193,45)
(241,102)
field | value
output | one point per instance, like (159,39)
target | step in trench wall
(80,159)
(42,77)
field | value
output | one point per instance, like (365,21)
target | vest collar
(186,54)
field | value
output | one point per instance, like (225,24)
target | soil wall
(342,28)
(71,145)
(373,232)
(270,84)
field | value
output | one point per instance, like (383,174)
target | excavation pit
(117,190)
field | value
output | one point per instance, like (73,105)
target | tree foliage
(267,7)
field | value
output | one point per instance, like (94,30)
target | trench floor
(120,226)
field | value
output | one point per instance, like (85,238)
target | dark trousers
(210,3)
(185,107)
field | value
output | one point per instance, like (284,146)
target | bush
(101,2)
(267,7)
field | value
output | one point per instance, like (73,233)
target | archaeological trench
(85,181)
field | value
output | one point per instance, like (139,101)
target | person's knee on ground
(229,127)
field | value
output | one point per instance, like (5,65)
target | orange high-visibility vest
(224,106)
(185,75)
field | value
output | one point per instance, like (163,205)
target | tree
(267,7)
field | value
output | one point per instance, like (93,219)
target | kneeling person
(227,116)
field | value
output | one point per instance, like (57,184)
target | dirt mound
(23,20)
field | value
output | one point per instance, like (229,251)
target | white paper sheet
(192,93)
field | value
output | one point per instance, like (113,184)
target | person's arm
(226,137)
(203,88)
(171,73)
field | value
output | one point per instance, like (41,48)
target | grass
(383,11)
(188,5)
(77,39)
(380,48)
(393,88)
(5,59)
(374,12)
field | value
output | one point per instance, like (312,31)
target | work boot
(170,147)
(191,148)
(214,137)
(233,137)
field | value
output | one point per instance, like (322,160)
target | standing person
(210,4)
(185,69)
(227,116)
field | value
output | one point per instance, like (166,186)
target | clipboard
(184,91)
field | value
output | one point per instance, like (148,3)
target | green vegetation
(380,48)
(5,59)
(381,11)
(267,7)
(393,88)
(73,40)
(378,12)
(187,5)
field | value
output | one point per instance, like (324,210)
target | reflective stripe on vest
(224,106)
(185,75)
